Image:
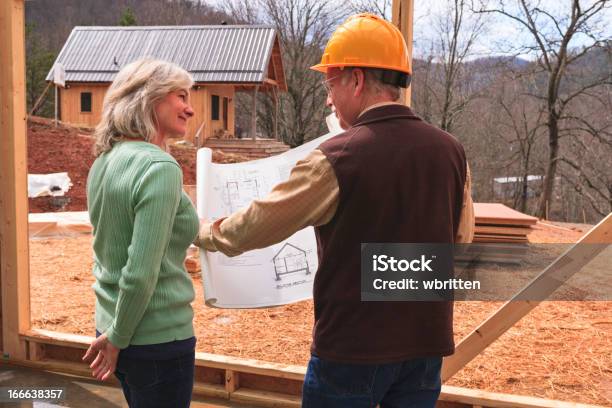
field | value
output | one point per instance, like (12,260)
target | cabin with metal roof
(223,60)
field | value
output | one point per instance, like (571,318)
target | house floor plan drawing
(240,193)
(279,274)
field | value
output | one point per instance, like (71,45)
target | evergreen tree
(39,61)
(127,18)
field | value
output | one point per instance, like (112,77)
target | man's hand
(204,239)
(105,361)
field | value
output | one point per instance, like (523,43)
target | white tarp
(59,75)
(54,184)
(277,275)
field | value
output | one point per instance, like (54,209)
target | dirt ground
(562,350)
(59,149)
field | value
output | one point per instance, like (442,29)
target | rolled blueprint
(279,274)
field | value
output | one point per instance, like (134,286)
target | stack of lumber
(500,236)
(500,224)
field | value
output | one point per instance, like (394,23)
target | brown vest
(401,181)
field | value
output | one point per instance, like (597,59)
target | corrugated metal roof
(210,53)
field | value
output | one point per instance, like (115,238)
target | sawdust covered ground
(562,350)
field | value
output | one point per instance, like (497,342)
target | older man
(390,177)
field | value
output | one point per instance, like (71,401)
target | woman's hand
(105,361)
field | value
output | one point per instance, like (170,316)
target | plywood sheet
(495,213)
(500,239)
(507,230)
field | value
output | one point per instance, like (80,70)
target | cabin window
(85,101)
(214,102)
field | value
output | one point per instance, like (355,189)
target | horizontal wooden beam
(247,381)
(57,338)
(265,399)
(271,82)
(251,366)
(498,400)
(210,390)
(82,370)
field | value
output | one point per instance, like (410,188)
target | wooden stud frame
(403,18)
(251,381)
(542,286)
(14,259)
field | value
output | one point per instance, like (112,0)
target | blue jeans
(411,383)
(157,383)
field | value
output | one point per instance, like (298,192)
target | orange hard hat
(366,40)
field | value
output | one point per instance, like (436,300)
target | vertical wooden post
(36,351)
(14,262)
(275,94)
(403,18)
(254,114)
(56,103)
(231,381)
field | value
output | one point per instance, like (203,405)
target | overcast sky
(500,32)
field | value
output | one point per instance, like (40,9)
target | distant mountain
(501,60)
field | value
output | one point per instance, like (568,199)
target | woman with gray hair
(143,224)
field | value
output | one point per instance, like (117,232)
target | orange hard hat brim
(323,67)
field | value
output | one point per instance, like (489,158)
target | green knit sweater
(143,224)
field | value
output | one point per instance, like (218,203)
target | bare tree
(585,160)
(590,174)
(442,89)
(382,8)
(303,27)
(243,11)
(552,35)
(423,87)
(176,12)
(521,125)
(457,32)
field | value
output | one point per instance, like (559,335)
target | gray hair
(376,81)
(129,105)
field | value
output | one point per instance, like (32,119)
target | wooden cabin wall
(70,104)
(215,126)
(197,98)
(201,101)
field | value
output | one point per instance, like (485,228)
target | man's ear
(358,78)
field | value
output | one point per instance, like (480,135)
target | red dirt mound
(69,149)
(59,149)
